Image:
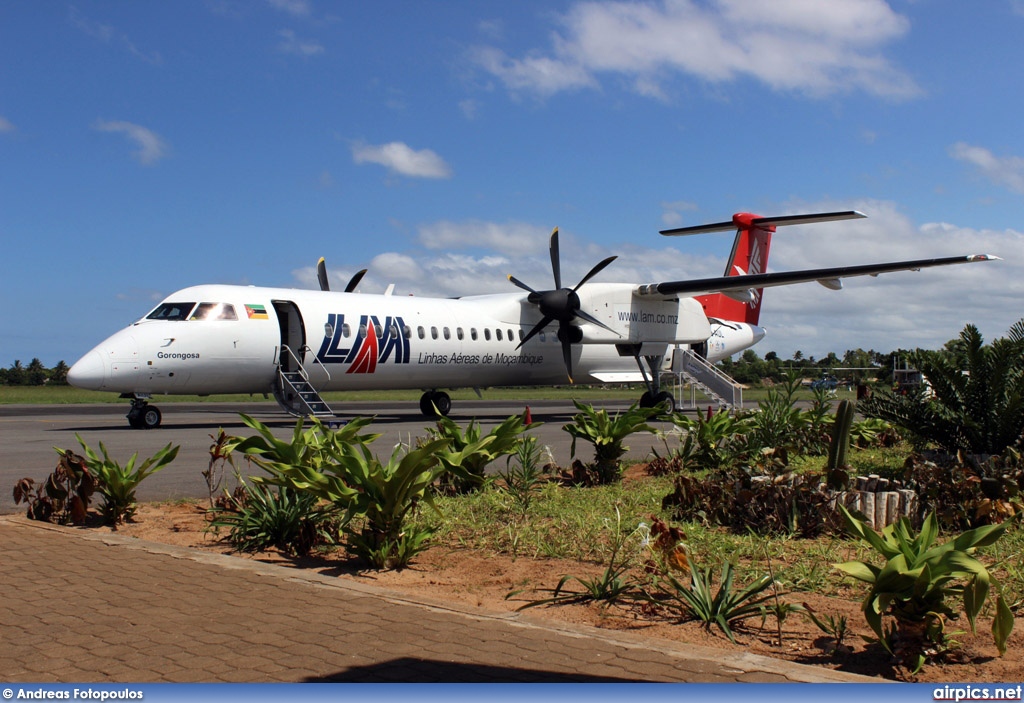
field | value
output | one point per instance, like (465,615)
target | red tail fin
(749,256)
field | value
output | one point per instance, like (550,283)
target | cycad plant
(976,401)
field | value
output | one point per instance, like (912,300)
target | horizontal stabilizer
(764,222)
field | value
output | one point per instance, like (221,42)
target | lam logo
(374,343)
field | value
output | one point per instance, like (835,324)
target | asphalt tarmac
(29,434)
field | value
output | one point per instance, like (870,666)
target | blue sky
(145,147)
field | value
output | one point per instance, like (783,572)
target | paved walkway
(87,607)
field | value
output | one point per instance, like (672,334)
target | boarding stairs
(708,379)
(294,392)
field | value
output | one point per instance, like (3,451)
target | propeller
(321,275)
(561,304)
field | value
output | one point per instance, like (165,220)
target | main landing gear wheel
(144,416)
(435,404)
(650,400)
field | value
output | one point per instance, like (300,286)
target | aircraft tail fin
(749,256)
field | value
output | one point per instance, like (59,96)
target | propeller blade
(593,320)
(594,271)
(520,284)
(354,281)
(556,268)
(321,274)
(567,357)
(536,328)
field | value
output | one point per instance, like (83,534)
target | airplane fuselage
(216,339)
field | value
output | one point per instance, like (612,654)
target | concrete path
(80,606)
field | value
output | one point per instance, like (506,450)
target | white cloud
(292,44)
(151,147)
(802,46)
(295,8)
(1006,171)
(107,34)
(400,158)
(6,125)
(508,238)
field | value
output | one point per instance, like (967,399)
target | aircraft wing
(829,277)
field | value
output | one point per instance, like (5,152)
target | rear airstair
(294,392)
(708,379)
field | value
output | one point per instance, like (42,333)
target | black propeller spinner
(562,304)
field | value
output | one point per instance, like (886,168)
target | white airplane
(213,339)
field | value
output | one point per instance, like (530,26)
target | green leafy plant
(523,475)
(475,450)
(607,434)
(835,626)
(837,466)
(64,496)
(373,498)
(258,518)
(117,484)
(313,446)
(918,580)
(722,608)
(711,442)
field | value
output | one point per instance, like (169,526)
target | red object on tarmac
(527,416)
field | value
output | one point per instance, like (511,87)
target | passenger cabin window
(346,330)
(497,334)
(472,333)
(487,334)
(459,334)
(511,338)
(421,333)
(447,333)
(214,311)
(171,311)
(433,333)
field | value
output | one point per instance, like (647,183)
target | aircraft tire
(435,404)
(666,397)
(647,400)
(151,417)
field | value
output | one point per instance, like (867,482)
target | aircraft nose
(88,372)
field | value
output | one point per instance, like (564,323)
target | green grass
(580,523)
(67,395)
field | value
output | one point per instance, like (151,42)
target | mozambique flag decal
(256,312)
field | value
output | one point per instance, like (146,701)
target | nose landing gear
(143,416)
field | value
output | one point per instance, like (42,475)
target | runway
(29,433)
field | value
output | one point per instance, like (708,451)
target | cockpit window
(214,311)
(171,311)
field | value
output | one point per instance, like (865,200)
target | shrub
(64,496)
